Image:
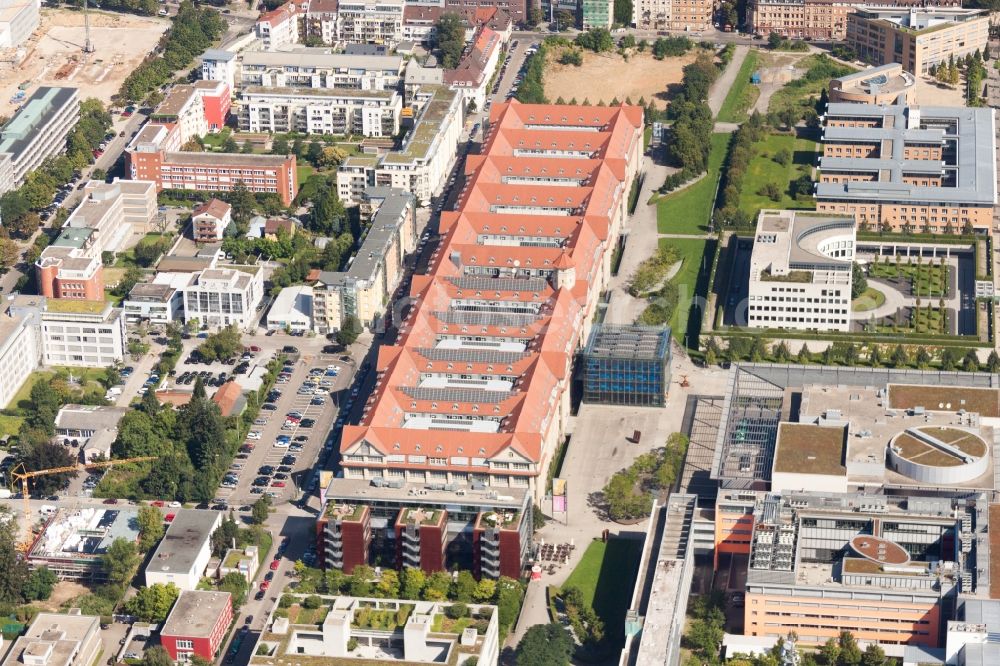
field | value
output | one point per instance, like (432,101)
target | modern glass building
(626,365)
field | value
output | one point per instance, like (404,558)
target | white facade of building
(115,211)
(19,354)
(278,28)
(372,113)
(158,302)
(422,165)
(36,132)
(292,310)
(18,20)
(183,554)
(218,65)
(801,272)
(357,21)
(219,297)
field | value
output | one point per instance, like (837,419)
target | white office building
(36,132)
(18,19)
(158,302)
(19,354)
(185,549)
(219,65)
(219,297)
(800,271)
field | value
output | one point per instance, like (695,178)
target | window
(185,645)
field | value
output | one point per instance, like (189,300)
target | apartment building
(341,111)
(419,20)
(422,164)
(800,272)
(154,155)
(888,569)
(886,84)
(71,267)
(925,168)
(308,67)
(224,296)
(364,289)
(819,19)
(474,394)
(219,65)
(432,528)
(195,109)
(686,15)
(356,21)
(917,38)
(209,220)
(36,132)
(279,27)
(19,354)
(477,67)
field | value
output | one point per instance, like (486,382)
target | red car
(111,500)
(98,152)
(278,484)
(264,585)
(169,518)
(254,348)
(158,503)
(275,564)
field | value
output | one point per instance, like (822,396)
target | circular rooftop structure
(879,550)
(939,454)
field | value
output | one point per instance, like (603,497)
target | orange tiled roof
(495,232)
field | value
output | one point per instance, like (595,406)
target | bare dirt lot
(61,593)
(605,76)
(54,54)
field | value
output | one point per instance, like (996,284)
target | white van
(47,510)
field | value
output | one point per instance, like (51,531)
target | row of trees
(532,88)
(140,7)
(18,585)
(194,29)
(756,349)
(597,40)
(691,134)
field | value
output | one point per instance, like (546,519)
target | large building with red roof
(474,395)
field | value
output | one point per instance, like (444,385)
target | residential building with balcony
(195,109)
(209,220)
(366,287)
(279,27)
(310,67)
(916,38)
(356,21)
(917,168)
(681,15)
(220,65)
(340,111)
(422,164)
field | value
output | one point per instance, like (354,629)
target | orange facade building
(909,168)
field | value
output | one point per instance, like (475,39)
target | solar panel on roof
(472,355)
(486,318)
(499,284)
(453,394)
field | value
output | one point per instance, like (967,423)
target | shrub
(457,610)
(352,644)
(286,601)
(312,602)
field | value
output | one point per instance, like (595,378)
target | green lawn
(302,172)
(926,279)
(89,378)
(689,210)
(127,258)
(801,93)
(693,253)
(764,169)
(606,576)
(10,425)
(215,141)
(742,95)
(869,299)
(647,136)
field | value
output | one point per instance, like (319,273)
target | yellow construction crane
(18,476)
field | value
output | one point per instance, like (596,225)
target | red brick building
(421,539)
(344,536)
(197,624)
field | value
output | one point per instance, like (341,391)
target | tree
(970,362)
(229,145)
(150,526)
(830,652)
(9,254)
(922,357)
(224,343)
(13,567)
(993,362)
(280,146)
(243,203)
(783,157)
(157,656)
(449,39)
(388,584)
(350,331)
(850,653)
(260,510)
(544,645)
(412,582)
(120,561)
(315,152)
(464,587)
(153,603)
(485,590)
(46,455)
(437,586)
(774,40)
(873,655)
(899,357)
(623,12)
(235,583)
(859,281)
(39,585)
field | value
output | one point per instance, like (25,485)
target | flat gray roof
(179,547)
(362,491)
(195,613)
(37,112)
(970,130)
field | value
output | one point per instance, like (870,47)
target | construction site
(73,541)
(55,54)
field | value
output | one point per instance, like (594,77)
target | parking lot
(289,434)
